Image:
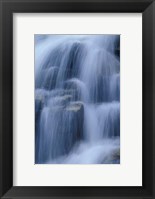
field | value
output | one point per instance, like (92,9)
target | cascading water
(77,99)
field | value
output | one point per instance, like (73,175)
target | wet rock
(78,87)
(62,128)
(74,131)
(50,77)
(75,106)
(100,92)
(61,92)
(61,101)
(40,97)
(76,110)
(77,50)
(117,47)
(113,157)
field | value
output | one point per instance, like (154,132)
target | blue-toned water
(77,99)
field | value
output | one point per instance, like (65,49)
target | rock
(61,101)
(39,103)
(41,96)
(75,106)
(113,157)
(78,88)
(49,78)
(69,128)
(116,154)
(77,51)
(74,130)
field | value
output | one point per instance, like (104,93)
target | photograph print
(77,99)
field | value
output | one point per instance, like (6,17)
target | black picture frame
(7,8)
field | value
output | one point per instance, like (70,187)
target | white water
(77,85)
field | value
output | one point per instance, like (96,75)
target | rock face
(40,101)
(62,127)
(112,157)
(75,110)
(49,77)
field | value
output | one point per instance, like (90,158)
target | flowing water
(77,99)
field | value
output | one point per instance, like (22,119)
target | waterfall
(77,99)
